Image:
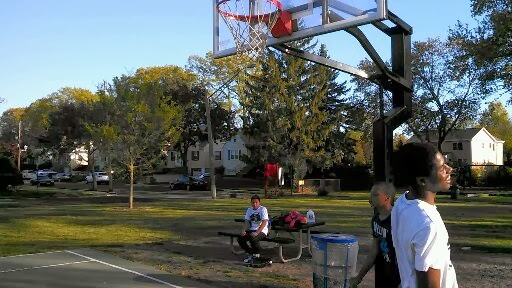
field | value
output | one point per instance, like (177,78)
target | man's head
(255,202)
(422,167)
(382,195)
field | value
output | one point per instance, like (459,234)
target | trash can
(334,260)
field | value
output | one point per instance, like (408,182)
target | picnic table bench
(281,241)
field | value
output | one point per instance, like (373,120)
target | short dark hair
(414,160)
(255,197)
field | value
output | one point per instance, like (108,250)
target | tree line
(299,113)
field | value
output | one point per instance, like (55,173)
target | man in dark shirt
(382,253)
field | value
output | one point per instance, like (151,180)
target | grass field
(45,224)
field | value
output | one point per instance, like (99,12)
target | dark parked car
(189,183)
(42,180)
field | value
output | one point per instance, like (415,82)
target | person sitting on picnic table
(255,229)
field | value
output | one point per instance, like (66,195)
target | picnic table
(296,237)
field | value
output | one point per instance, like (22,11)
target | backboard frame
(327,26)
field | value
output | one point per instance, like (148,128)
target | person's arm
(429,279)
(246,223)
(262,226)
(428,257)
(368,264)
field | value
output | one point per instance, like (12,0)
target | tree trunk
(132,168)
(110,178)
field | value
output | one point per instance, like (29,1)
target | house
(198,160)
(232,154)
(474,146)
(69,161)
(227,154)
(174,159)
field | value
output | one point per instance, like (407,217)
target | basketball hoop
(251,22)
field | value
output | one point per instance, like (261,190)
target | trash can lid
(335,238)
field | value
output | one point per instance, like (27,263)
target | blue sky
(46,45)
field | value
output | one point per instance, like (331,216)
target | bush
(501,177)
(220,170)
(9,174)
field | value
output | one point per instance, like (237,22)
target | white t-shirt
(255,217)
(421,242)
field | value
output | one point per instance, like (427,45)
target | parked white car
(101,177)
(28,174)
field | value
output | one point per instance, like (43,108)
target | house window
(229,154)
(459,146)
(492,147)
(218,155)
(173,156)
(234,140)
(195,155)
(483,145)
(454,146)
(237,155)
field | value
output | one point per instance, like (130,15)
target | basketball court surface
(83,268)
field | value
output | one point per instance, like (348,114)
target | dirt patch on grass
(210,261)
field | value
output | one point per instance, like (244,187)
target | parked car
(28,174)
(189,183)
(62,177)
(42,180)
(101,178)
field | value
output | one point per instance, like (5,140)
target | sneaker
(248,259)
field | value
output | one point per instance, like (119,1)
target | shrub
(220,170)
(9,174)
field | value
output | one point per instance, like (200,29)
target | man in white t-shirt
(419,235)
(255,229)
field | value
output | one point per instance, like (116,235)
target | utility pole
(19,146)
(213,187)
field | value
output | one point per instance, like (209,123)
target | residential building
(232,154)
(474,146)
(198,160)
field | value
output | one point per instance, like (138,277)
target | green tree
(444,98)
(399,140)
(497,121)
(9,125)
(145,120)
(294,108)
(489,44)
(366,103)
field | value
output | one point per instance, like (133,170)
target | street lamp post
(213,187)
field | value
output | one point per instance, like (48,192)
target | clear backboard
(305,18)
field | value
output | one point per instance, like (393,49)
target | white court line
(30,254)
(127,270)
(45,266)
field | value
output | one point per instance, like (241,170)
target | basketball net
(250,22)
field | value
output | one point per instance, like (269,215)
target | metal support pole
(402,101)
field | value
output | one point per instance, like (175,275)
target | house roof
(455,135)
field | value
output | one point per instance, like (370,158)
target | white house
(76,158)
(198,157)
(232,154)
(174,159)
(473,146)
